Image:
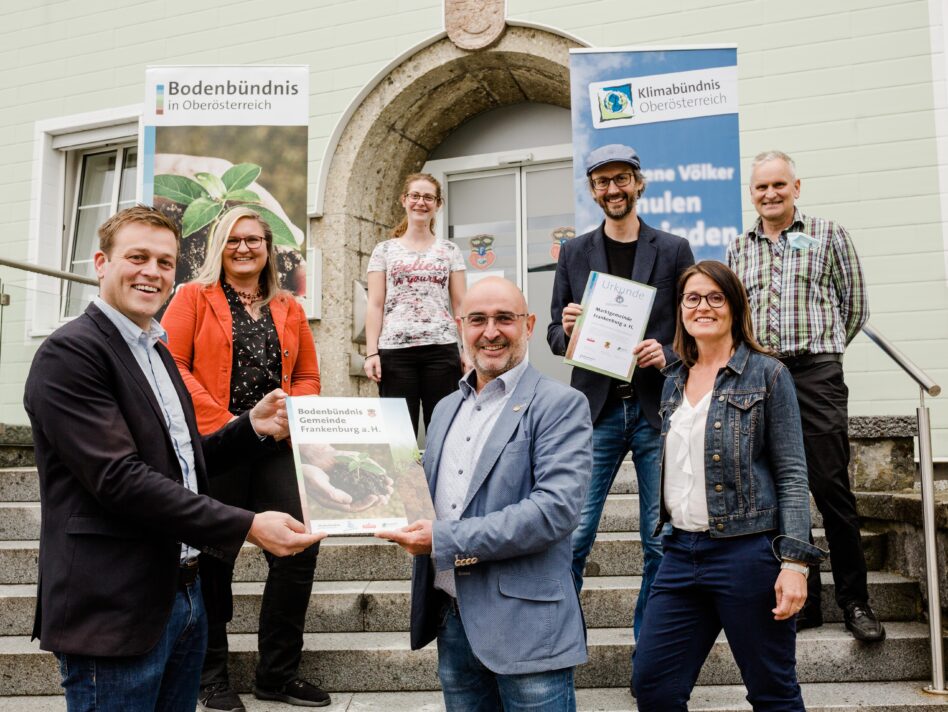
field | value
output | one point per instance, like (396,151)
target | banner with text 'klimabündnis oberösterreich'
(218,137)
(678,109)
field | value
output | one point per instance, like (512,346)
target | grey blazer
(510,550)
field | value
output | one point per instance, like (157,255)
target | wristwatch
(796,566)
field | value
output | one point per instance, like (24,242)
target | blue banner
(678,109)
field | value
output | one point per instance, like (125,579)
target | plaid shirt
(803,301)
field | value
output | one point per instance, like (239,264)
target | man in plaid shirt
(808,301)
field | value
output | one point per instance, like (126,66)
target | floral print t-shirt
(417,307)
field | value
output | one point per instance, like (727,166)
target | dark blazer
(659,260)
(113,506)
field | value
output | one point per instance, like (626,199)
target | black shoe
(862,623)
(219,697)
(809,617)
(296,692)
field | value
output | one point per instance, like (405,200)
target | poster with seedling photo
(357,464)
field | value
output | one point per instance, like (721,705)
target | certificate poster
(677,107)
(218,137)
(615,314)
(357,464)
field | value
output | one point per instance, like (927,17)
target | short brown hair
(135,214)
(742,330)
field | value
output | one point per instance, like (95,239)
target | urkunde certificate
(615,313)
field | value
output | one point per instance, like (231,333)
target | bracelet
(371,355)
(794,566)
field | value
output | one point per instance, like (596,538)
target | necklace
(248,298)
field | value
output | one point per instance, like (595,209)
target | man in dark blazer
(625,416)
(121,465)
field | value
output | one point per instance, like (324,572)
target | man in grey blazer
(508,462)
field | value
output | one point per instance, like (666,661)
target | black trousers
(422,375)
(265,485)
(823,398)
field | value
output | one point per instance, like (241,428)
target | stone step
(20,520)
(373,662)
(19,484)
(359,558)
(383,606)
(818,697)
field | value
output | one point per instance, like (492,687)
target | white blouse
(685,496)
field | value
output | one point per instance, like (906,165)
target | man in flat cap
(625,415)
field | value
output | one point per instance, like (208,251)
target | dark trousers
(702,586)
(265,485)
(823,398)
(422,375)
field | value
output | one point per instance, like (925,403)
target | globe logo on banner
(615,102)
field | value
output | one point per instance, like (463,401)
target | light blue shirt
(463,444)
(142,345)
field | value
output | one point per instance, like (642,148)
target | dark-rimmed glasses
(691,300)
(503,319)
(621,180)
(252,242)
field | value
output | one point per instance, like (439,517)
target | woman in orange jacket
(235,336)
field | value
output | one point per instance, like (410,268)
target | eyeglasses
(252,242)
(691,300)
(621,180)
(502,319)
(427,197)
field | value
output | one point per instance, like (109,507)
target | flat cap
(612,153)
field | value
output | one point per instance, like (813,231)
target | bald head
(495,327)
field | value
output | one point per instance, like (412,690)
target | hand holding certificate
(615,314)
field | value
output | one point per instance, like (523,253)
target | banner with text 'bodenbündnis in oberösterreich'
(677,107)
(217,137)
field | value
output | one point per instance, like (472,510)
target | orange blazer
(200,337)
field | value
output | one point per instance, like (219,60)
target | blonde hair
(402,226)
(211,270)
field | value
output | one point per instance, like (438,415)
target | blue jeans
(468,686)
(622,427)
(704,585)
(165,679)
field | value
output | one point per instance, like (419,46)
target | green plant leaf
(240,176)
(354,465)
(212,184)
(281,232)
(242,195)
(372,466)
(178,188)
(198,214)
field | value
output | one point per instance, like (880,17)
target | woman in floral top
(416,283)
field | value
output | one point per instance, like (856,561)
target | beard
(617,211)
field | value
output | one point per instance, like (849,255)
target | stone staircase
(357,645)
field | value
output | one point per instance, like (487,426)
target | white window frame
(54,141)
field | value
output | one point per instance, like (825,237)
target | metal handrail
(927,476)
(917,374)
(48,271)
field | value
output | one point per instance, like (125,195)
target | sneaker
(862,623)
(219,697)
(296,692)
(809,617)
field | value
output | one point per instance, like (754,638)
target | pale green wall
(845,87)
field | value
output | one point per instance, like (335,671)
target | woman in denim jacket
(734,488)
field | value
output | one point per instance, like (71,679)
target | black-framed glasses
(621,180)
(427,197)
(691,300)
(502,319)
(252,242)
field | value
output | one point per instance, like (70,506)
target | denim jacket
(754,465)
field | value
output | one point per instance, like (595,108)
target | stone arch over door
(407,114)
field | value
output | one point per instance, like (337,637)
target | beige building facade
(855,91)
